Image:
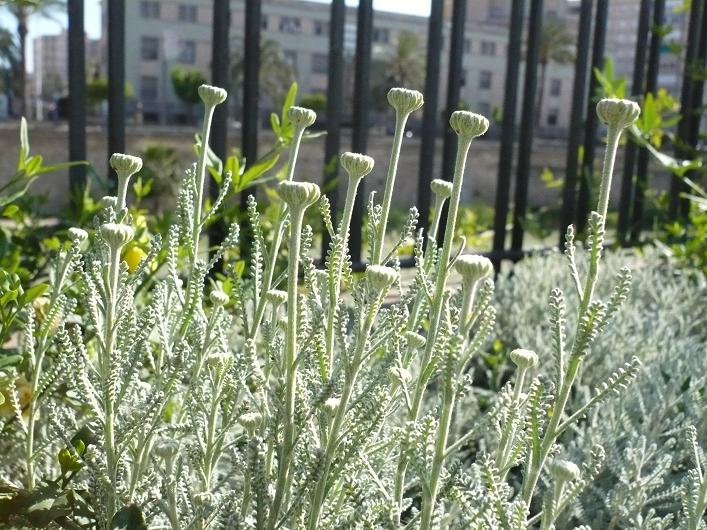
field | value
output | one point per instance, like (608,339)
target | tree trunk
(22,70)
(541,94)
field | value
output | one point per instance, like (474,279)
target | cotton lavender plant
(294,395)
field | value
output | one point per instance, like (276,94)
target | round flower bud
(332,404)
(563,470)
(298,194)
(125,165)
(218,297)
(276,297)
(619,113)
(212,95)
(415,340)
(524,359)
(250,420)
(404,100)
(442,188)
(166,448)
(399,375)
(77,235)
(468,125)
(356,164)
(301,117)
(473,268)
(380,277)
(109,201)
(117,235)
(202,499)
(219,360)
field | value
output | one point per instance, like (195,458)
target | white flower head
(298,195)
(219,360)
(301,117)
(166,448)
(212,95)
(415,340)
(404,100)
(117,235)
(109,201)
(468,125)
(619,113)
(125,165)
(442,188)
(250,420)
(473,268)
(523,358)
(356,165)
(276,297)
(332,403)
(380,277)
(563,470)
(77,235)
(218,297)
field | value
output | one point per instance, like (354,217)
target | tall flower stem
(201,178)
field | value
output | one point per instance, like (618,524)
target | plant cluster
(147,393)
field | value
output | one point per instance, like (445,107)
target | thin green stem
(201,179)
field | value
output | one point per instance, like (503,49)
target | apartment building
(164,33)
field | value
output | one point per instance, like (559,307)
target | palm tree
(22,10)
(556,46)
(9,61)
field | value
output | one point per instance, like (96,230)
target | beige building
(164,33)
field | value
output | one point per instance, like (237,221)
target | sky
(43,26)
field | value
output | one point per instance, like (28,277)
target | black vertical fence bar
(510,102)
(77,99)
(220,56)
(651,88)
(527,123)
(579,91)
(454,85)
(687,102)
(429,111)
(335,88)
(359,135)
(639,71)
(251,68)
(590,126)
(116,78)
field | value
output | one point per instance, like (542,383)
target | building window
(290,57)
(467,45)
(484,108)
(488,48)
(187,13)
(321,27)
(485,79)
(553,117)
(320,63)
(555,87)
(290,24)
(149,9)
(149,48)
(381,35)
(148,88)
(187,52)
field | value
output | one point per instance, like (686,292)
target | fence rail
(583,122)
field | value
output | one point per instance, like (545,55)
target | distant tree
(406,62)
(97,91)
(186,83)
(316,102)
(22,10)
(556,46)
(276,74)
(9,61)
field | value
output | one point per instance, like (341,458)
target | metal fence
(591,37)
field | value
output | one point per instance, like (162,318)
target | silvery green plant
(288,396)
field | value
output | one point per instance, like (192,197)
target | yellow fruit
(133,256)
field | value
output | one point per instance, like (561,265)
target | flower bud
(117,235)
(404,100)
(473,268)
(298,195)
(356,165)
(250,420)
(109,201)
(332,404)
(212,95)
(619,113)
(166,448)
(380,277)
(218,297)
(125,165)
(219,360)
(468,125)
(77,235)
(301,117)
(524,359)
(563,470)
(441,188)
(276,297)
(414,340)
(399,375)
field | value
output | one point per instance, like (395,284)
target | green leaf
(128,518)
(275,123)
(34,292)
(24,144)
(255,171)
(9,360)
